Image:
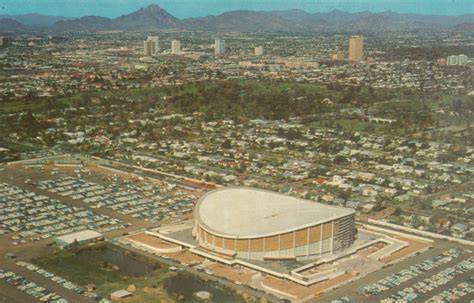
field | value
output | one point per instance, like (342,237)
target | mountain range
(154,17)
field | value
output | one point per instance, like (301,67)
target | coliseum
(257,224)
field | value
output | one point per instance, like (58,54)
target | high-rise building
(175,47)
(462,60)
(5,41)
(259,51)
(338,56)
(356,48)
(155,41)
(219,46)
(149,48)
(452,60)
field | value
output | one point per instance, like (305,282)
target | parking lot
(35,217)
(461,291)
(150,202)
(416,279)
(30,288)
(432,283)
(39,203)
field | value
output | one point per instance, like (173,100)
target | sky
(197,8)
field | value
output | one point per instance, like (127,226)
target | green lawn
(67,265)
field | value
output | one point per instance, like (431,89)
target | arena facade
(257,224)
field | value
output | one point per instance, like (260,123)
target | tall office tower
(338,56)
(175,47)
(155,41)
(149,48)
(462,60)
(219,46)
(452,60)
(5,41)
(356,48)
(259,51)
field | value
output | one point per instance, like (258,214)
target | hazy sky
(194,8)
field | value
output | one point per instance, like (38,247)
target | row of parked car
(36,217)
(146,202)
(461,291)
(413,271)
(65,283)
(409,294)
(30,288)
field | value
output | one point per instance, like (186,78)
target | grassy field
(107,279)
(357,125)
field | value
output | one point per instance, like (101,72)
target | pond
(127,263)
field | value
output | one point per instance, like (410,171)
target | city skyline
(189,9)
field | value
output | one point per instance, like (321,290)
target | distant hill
(87,23)
(242,21)
(36,20)
(468,26)
(286,21)
(293,15)
(12,26)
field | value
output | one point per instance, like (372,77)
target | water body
(185,286)
(127,263)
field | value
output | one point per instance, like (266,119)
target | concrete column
(279,245)
(248,247)
(307,242)
(294,242)
(321,240)
(332,237)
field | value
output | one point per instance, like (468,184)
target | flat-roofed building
(219,46)
(356,48)
(175,47)
(81,237)
(338,56)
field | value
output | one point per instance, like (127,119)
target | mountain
(87,23)
(150,17)
(293,15)
(36,20)
(287,21)
(468,26)
(10,25)
(241,21)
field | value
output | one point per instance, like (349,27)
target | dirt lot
(413,246)
(184,257)
(233,274)
(151,241)
(302,292)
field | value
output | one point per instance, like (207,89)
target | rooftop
(252,212)
(79,236)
